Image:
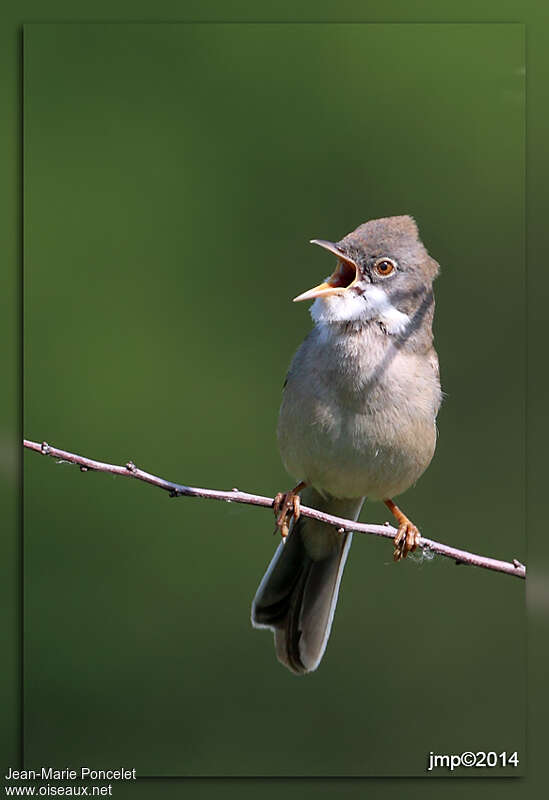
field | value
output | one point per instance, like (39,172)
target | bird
(357,421)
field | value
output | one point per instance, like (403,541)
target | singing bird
(357,421)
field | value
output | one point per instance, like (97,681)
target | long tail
(298,593)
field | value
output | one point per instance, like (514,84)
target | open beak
(345,275)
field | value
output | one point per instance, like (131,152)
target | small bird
(357,421)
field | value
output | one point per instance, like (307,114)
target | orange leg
(408,536)
(286,505)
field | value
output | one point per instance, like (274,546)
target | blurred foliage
(173,177)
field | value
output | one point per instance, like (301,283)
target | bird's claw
(406,540)
(286,505)
(408,536)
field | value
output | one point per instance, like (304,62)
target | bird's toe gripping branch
(287,505)
(408,536)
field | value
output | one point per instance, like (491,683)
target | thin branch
(129,470)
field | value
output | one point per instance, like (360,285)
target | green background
(536,18)
(173,176)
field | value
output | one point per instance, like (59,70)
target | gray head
(384,274)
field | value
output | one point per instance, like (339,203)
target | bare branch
(129,470)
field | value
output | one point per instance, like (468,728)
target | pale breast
(358,414)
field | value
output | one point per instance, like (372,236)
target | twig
(129,470)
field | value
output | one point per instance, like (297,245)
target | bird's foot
(287,505)
(408,536)
(406,540)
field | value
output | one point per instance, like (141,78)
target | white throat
(372,305)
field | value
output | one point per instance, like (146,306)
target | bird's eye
(384,266)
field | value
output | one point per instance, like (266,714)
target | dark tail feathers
(298,593)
